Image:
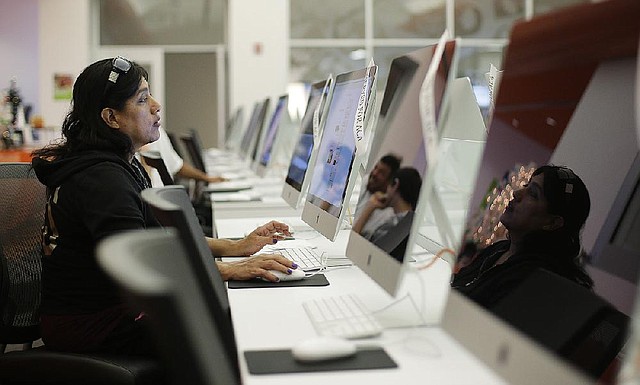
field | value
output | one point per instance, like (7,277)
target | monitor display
(332,178)
(272,132)
(254,128)
(380,250)
(295,186)
(233,129)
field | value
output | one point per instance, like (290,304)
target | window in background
(408,19)
(487,19)
(544,6)
(313,64)
(327,19)
(162,22)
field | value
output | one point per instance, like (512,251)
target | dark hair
(393,162)
(83,128)
(568,197)
(409,181)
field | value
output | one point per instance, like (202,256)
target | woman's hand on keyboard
(256,267)
(267,234)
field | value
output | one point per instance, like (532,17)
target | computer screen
(271,134)
(295,187)
(332,177)
(253,131)
(381,250)
(233,129)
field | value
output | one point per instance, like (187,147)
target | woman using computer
(94,184)
(544,221)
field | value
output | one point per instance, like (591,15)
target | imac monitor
(381,251)
(548,111)
(269,144)
(233,130)
(253,131)
(333,175)
(303,156)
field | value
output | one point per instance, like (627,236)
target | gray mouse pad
(316,280)
(281,361)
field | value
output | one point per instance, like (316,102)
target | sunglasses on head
(567,176)
(119,66)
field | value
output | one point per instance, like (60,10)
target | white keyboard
(305,257)
(342,316)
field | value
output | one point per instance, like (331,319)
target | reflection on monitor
(271,135)
(252,133)
(332,178)
(296,184)
(550,112)
(381,252)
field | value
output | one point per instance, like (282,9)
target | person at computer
(401,196)
(174,163)
(377,181)
(544,221)
(94,182)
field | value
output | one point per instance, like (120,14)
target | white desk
(274,318)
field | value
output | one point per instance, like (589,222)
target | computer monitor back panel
(400,133)
(305,153)
(253,131)
(335,170)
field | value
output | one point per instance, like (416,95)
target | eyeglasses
(119,66)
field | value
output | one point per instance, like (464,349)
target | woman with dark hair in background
(544,221)
(94,183)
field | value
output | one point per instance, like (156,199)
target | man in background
(379,179)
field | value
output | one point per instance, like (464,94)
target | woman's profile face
(140,117)
(528,210)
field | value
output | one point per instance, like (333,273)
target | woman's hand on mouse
(256,267)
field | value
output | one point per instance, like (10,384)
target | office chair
(194,148)
(566,318)
(152,268)
(154,159)
(199,196)
(23,206)
(175,144)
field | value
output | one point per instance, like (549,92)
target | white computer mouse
(296,275)
(323,348)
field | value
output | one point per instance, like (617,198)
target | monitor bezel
(313,214)
(293,192)
(275,123)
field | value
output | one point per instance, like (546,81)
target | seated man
(379,179)
(175,164)
(401,197)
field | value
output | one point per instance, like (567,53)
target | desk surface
(274,319)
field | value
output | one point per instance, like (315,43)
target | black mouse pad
(316,280)
(281,361)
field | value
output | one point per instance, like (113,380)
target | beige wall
(191,100)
